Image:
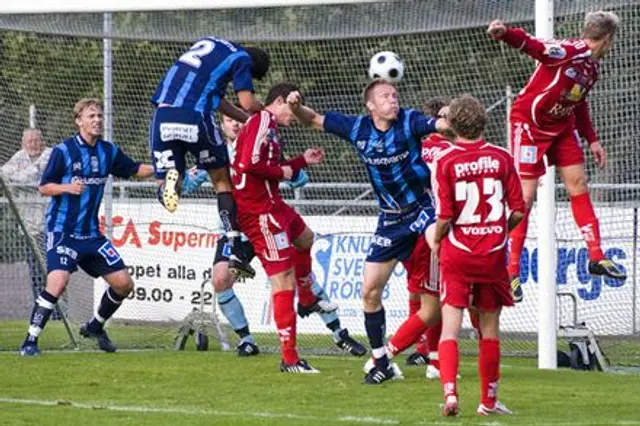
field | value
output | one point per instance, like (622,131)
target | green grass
(192,388)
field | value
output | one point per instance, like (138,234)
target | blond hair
(600,24)
(366,93)
(467,117)
(85,103)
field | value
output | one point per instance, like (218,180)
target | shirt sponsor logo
(89,180)
(385,161)
(480,166)
(561,111)
(482,230)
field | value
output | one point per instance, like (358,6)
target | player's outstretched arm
(230,110)
(304,114)
(548,52)
(248,101)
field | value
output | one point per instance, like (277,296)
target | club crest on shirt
(272,136)
(95,167)
(77,166)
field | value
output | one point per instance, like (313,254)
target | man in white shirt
(23,171)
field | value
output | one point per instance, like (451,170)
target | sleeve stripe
(261,137)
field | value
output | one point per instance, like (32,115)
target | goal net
(50,61)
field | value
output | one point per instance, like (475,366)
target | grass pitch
(193,388)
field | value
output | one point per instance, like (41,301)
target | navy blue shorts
(223,250)
(96,256)
(176,131)
(397,233)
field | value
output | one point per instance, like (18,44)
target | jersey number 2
(194,56)
(470,193)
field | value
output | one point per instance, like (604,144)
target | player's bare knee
(371,297)
(304,240)
(576,185)
(222,281)
(56,282)
(429,311)
(489,324)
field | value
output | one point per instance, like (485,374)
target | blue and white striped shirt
(76,161)
(392,158)
(198,79)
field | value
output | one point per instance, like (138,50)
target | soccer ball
(387,66)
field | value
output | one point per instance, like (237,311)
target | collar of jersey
(81,142)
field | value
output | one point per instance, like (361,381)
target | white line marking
(200,412)
(286,416)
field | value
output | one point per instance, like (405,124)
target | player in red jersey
(280,238)
(474,184)
(550,116)
(421,278)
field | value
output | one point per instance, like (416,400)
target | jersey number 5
(194,56)
(470,193)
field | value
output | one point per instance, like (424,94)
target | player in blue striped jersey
(74,179)
(185,99)
(388,143)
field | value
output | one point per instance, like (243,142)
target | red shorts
(529,145)
(272,235)
(459,292)
(418,266)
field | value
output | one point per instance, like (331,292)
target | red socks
(407,334)
(302,262)
(586,220)
(421,344)
(517,237)
(449,360)
(285,318)
(489,369)
(433,340)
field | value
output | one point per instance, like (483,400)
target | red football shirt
(256,167)
(555,96)
(473,185)
(432,145)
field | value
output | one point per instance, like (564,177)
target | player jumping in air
(474,183)
(388,143)
(223,281)
(74,179)
(550,116)
(281,239)
(191,90)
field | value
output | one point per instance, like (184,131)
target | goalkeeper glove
(193,179)
(300,179)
